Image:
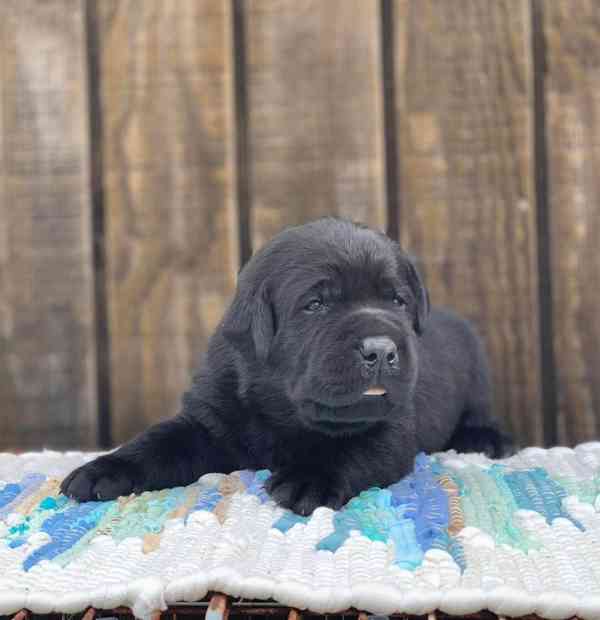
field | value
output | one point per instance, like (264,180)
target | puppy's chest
(259,448)
(266,449)
(434,427)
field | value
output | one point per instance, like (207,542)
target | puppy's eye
(314,305)
(400,301)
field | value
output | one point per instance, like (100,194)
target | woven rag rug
(460,534)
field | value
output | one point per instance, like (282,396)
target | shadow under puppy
(328,368)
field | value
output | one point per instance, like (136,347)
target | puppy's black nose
(378,350)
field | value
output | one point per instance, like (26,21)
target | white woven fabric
(516,536)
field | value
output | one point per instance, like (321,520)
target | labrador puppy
(329,368)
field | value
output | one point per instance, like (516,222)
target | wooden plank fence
(147,147)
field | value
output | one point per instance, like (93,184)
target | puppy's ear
(250,320)
(263,323)
(420,293)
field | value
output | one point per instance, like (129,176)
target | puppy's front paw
(104,478)
(489,441)
(302,492)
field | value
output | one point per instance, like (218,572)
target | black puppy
(328,369)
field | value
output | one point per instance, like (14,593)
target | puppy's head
(329,314)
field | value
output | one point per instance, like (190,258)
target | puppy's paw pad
(102,479)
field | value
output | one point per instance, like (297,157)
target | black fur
(281,385)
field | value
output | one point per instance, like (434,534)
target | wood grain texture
(573,136)
(464,98)
(314,113)
(171,231)
(47,355)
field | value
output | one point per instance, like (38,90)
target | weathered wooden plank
(170,230)
(464,99)
(47,352)
(314,112)
(572,98)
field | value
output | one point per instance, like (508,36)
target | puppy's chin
(361,415)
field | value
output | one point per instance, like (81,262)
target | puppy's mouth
(371,408)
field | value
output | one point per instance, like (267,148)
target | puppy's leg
(477,430)
(340,470)
(172,453)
